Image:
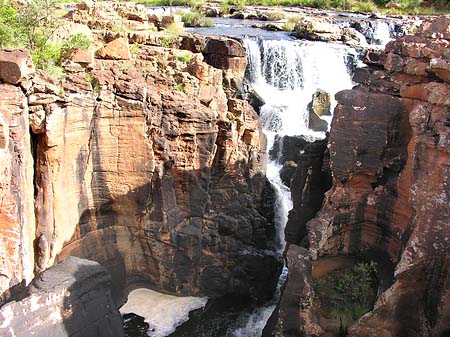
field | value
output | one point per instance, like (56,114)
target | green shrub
(166,41)
(134,49)
(180,87)
(175,29)
(76,41)
(195,18)
(276,15)
(8,31)
(184,57)
(345,295)
(289,26)
(367,7)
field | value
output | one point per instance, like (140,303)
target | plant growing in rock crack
(180,87)
(134,49)
(166,41)
(175,29)
(184,57)
(345,295)
(92,80)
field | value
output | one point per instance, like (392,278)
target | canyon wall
(389,151)
(17,221)
(142,162)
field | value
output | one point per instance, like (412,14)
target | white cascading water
(285,74)
(382,33)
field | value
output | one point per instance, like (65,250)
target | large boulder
(320,103)
(72,298)
(317,29)
(117,49)
(226,54)
(15,66)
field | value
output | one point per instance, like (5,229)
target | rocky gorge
(146,159)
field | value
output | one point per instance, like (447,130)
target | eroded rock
(389,143)
(72,298)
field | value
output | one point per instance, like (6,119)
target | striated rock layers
(143,165)
(389,157)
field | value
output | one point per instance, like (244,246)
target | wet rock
(316,123)
(309,182)
(299,286)
(320,104)
(287,148)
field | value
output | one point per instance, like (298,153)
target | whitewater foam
(162,312)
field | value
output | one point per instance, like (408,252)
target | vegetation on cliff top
(33,26)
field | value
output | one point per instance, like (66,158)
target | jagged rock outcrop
(222,53)
(389,153)
(72,298)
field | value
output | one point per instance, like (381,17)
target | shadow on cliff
(199,232)
(89,310)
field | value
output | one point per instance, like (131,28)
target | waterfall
(285,74)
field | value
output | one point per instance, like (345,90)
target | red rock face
(389,156)
(17,223)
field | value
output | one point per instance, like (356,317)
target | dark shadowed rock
(309,182)
(72,298)
(316,123)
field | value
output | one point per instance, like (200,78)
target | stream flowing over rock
(389,155)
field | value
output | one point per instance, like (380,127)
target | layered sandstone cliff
(139,161)
(389,152)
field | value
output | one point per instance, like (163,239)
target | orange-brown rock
(144,166)
(82,56)
(117,49)
(15,66)
(17,222)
